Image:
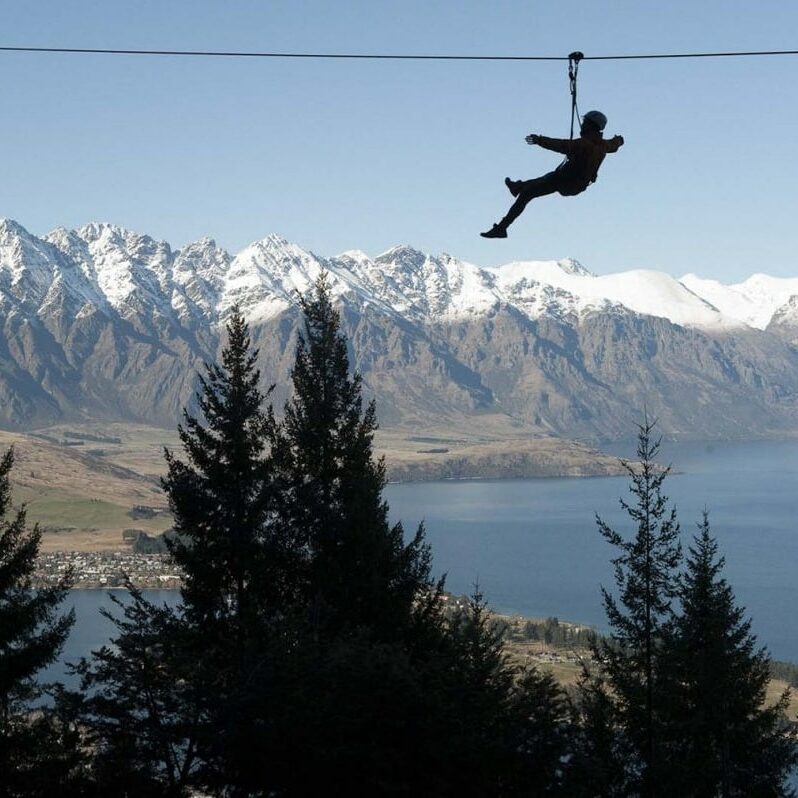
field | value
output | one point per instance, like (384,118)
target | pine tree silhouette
(145,702)
(363,574)
(33,760)
(222,497)
(178,696)
(725,740)
(645,577)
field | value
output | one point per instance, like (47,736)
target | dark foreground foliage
(717,727)
(674,703)
(39,747)
(311,654)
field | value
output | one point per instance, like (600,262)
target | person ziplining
(580,168)
(583,157)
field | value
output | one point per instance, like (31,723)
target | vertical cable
(573,70)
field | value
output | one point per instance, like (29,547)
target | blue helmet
(595,118)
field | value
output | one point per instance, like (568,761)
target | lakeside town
(108,569)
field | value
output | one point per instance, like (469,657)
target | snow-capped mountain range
(102,321)
(106,267)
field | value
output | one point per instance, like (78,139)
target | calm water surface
(534,547)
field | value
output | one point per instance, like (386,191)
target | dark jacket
(584,156)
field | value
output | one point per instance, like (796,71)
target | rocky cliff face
(106,323)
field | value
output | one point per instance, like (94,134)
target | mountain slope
(105,323)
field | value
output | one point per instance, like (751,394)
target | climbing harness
(573,70)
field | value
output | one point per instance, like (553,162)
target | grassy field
(82,494)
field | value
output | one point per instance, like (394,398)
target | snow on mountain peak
(754,302)
(105,265)
(423,286)
(198,272)
(404,255)
(132,271)
(9,228)
(206,243)
(354,255)
(264,278)
(27,264)
(572,266)
(114,235)
(547,287)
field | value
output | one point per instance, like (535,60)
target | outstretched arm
(563,146)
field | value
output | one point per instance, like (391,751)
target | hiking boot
(497,231)
(514,186)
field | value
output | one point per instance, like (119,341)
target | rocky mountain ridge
(102,322)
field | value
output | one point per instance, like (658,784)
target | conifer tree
(600,750)
(351,705)
(363,574)
(222,497)
(180,696)
(646,580)
(724,740)
(511,728)
(143,703)
(482,757)
(32,634)
(242,567)
(388,697)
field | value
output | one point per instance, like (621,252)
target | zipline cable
(385,56)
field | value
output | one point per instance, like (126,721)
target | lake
(534,548)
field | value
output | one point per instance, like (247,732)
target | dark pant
(552,183)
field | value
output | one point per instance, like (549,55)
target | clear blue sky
(341,155)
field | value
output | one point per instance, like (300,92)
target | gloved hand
(532,138)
